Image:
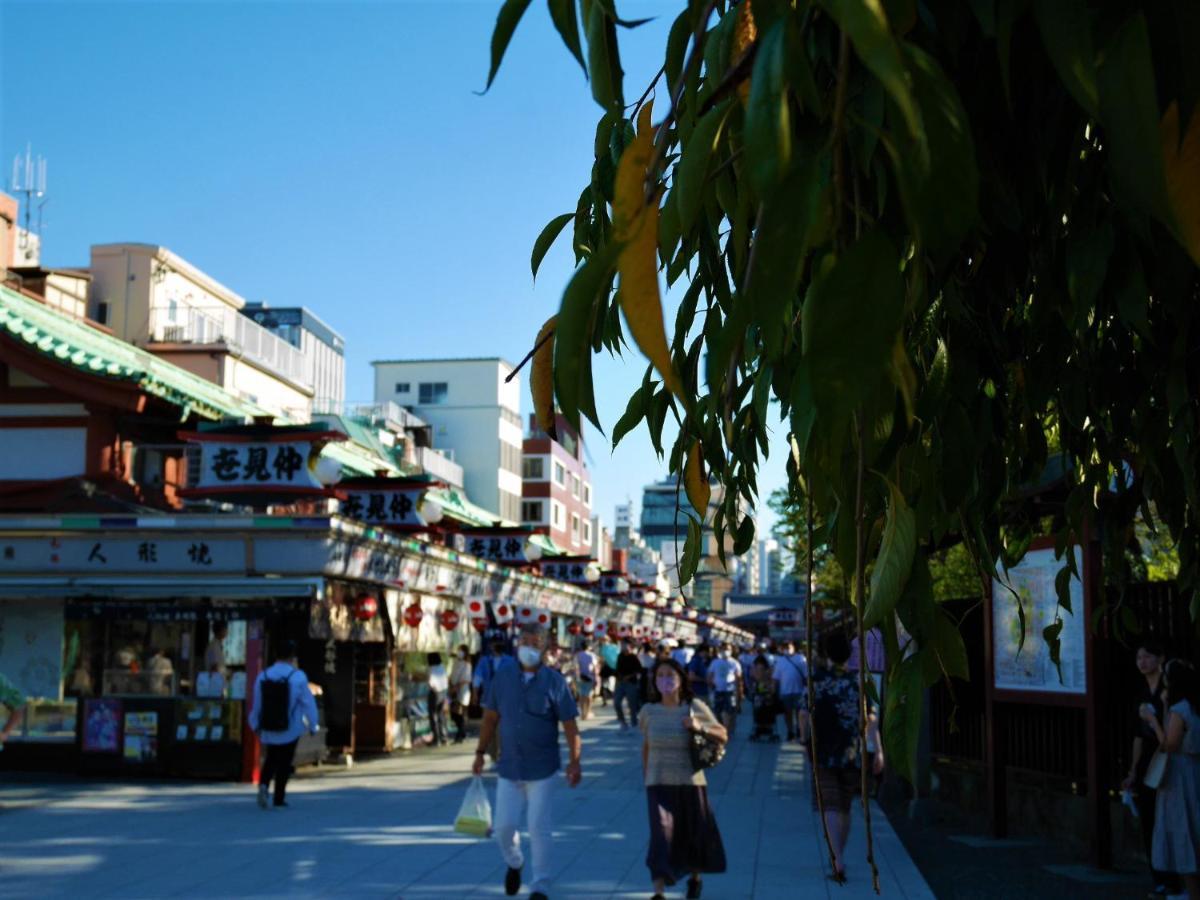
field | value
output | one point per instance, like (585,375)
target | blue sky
(333,155)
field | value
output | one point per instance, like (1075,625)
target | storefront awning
(160,588)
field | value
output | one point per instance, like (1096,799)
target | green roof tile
(78,344)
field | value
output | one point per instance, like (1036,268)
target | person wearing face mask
(460,692)
(684,838)
(725,679)
(527,703)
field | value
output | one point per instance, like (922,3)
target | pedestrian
(527,704)
(488,665)
(725,679)
(460,691)
(1149,660)
(1176,846)
(683,654)
(790,674)
(747,658)
(697,671)
(439,691)
(835,725)
(628,696)
(609,651)
(588,666)
(283,709)
(684,838)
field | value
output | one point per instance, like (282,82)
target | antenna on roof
(29,178)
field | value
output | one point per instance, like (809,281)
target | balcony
(224,325)
(440,464)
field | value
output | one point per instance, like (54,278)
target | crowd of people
(684,702)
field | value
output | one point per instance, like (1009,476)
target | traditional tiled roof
(75,343)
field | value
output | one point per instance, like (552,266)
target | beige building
(155,299)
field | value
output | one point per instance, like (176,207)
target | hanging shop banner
(400,508)
(251,460)
(507,548)
(1022,609)
(612,583)
(502,612)
(575,571)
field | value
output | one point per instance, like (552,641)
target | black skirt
(683,833)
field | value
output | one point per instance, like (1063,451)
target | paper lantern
(479,625)
(573,628)
(449,619)
(413,615)
(365,608)
(589,624)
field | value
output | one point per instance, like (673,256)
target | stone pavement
(383,829)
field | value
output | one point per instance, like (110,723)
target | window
(574,527)
(531,511)
(534,469)
(587,494)
(432,393)
(403,387)
(556,511)
(102,312)
(587,532)
(510,506)
(510,458)
(575,486)
(560,475)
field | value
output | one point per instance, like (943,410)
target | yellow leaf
(744,34)
(635,226)
(695,482)
(541,378)
(1182,163)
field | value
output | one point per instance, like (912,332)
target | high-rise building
(557,487)
(474,412)
(323,348)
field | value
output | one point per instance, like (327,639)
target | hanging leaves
(506,23)
(695,482)
(1181,159)
(635,226)
(895,559)
(541,378)
(546,239)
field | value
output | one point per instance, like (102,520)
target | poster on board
(101,726)
(1025,665)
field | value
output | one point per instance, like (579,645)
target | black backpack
(276,704)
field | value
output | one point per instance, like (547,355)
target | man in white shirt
(282,721)
(790,674)
(725,680)
(588,665)
(683,655)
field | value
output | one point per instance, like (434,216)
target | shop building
(557,487)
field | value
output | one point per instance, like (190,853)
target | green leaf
(691,171)
(1087,264)
(691,552)
(634,413)
(789,219)
(573,333)
(902,716)
(937,174)
(677,44)
(506,23)
(865,22)
(1129,113)
(656,417)
(768,129)
(895,560)
(849,322)
(604,61)
(1051,634)
(562,13)
(745,536)
(610,7)
(948,647)
(546,238)
(1067,33)
(1062,587)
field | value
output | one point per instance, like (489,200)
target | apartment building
(155,299)
(557,490)
(474,414)
(323,349)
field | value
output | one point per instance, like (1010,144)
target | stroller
(766,710)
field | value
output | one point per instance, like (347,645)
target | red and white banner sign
(503,613)
(601,629)
(476,610)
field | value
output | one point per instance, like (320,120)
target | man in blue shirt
(527,703)
(301,716)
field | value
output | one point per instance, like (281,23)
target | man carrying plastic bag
(475,815)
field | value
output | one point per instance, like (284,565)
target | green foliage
(958,274)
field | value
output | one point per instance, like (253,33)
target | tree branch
(529,356)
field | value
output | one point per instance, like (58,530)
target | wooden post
(1098,769)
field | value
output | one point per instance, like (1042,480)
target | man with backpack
(282,710)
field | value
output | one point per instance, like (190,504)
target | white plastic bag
(475,815)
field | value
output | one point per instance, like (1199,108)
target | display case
(47,722)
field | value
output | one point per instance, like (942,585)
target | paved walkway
(382,829)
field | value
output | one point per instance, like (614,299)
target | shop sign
(573,571)
(510,549)
(131,553)
(400,508)
(612,583)
(245,467)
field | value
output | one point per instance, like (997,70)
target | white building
(473,412)
(324,350)
(155,299)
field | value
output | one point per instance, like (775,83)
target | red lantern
(449,619)
(588,624)
(413,615)
(365,608)
(479,625)
(573,628)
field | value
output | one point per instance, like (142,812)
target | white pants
(511,799)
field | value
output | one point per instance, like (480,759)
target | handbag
(1156,770)
(704,749)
